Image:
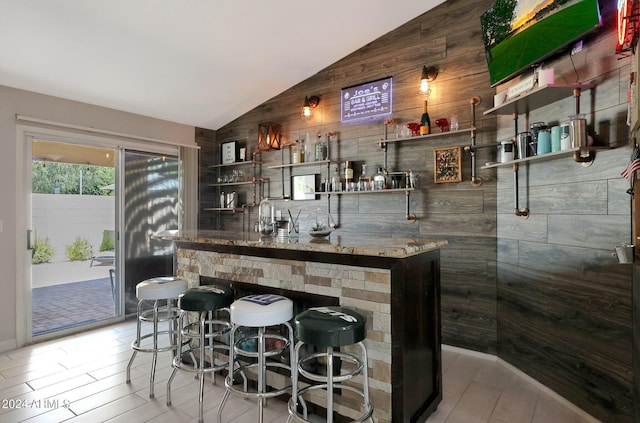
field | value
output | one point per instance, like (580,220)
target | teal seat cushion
(206,298)
(330,326)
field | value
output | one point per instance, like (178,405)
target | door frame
(25,133)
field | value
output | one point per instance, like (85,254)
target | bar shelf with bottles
(239,181)
(376,191)
(431,135)
(289,165)
(371,185)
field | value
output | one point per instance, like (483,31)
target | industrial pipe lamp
(429,74)
(309,104)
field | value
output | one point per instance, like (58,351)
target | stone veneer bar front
(394,282)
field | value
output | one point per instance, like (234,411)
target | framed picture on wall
(228,152)
(447,164)
(303,187)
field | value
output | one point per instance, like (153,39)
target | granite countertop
(335,243)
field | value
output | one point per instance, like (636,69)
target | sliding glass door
(91,213)
(150,205)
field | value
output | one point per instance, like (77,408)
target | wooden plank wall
(564,304)
(543,293)
(456,211)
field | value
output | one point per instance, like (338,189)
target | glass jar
(266,218)
(320,224)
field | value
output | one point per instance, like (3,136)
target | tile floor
(81,378)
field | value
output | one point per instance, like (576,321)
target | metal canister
(578,130)
(231,200)
(523,141)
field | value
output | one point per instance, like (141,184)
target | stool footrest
(182,365)
(192,330)
(137,347)
(228,383)
(164,315)
(267,353)
(350,358)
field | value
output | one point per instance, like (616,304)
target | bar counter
(394,282)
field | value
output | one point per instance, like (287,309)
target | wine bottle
(425,122)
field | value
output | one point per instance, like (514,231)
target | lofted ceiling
(197,62)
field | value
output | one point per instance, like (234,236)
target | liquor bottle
(308,155)
(319,153)
(425,122)
(295,153)
(348,172)
(335,180)
(301,150)
(379,180)
(364,182)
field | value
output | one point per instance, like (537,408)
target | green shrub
(108,243)
(79,250)
(43,251)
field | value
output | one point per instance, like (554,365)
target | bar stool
(156,289)
(256,313)
(329,327)
(207,301)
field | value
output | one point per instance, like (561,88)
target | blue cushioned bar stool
(156,291)
(207,302)
(255,342)
(329,328)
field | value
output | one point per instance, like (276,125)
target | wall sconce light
(309,104)
(429,74)
(269,136)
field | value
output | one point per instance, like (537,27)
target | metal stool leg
(178,356)
(155,349)
(229,378)
(261,374)
(203,318)
(329,385)
(137,342)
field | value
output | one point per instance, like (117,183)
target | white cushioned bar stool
(256,343)
(329,328)
(208,302)
(156,291)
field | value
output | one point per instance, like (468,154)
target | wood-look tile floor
(81,378)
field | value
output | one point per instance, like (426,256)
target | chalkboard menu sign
(371,99)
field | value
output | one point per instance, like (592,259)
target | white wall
(62,217)
(13,102)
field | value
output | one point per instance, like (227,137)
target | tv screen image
(518,34)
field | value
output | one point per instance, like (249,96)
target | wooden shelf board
(379,191)
(250,162)
(536,98)
(281,166)
(432,135)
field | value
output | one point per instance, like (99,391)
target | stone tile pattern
(367,290)
(67,305)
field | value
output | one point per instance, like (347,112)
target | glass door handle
(30,239)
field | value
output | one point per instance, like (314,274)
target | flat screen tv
(518,34)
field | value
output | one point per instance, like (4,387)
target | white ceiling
(196,62)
